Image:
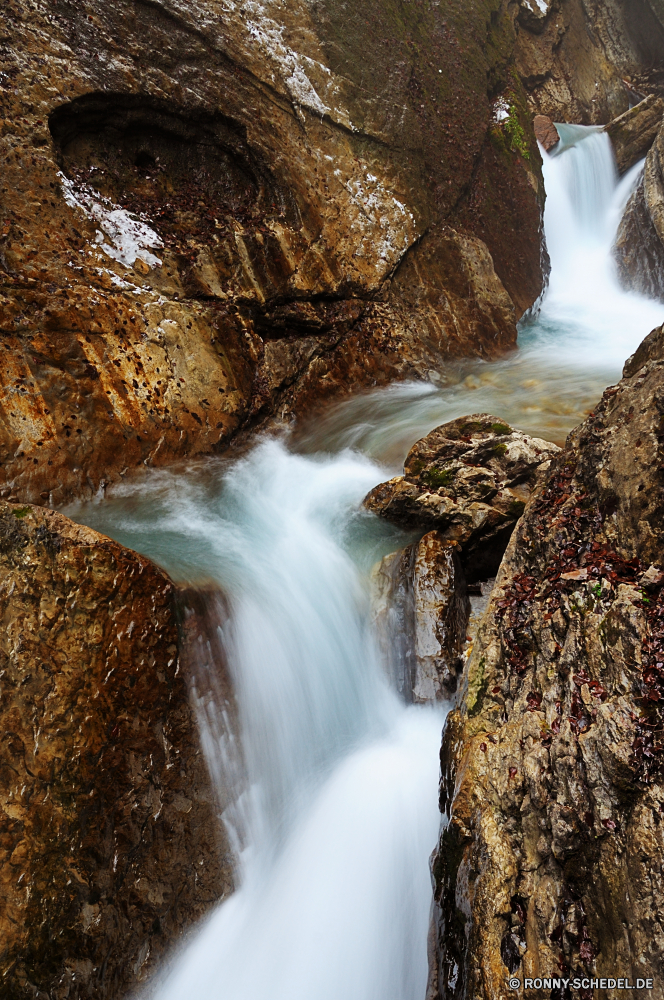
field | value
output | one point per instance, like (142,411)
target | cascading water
(338,811)
(575,346)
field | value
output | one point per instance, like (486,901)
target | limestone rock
(546,132)
(207,220)
(421,610)
(553,769)
(634,132)
(469,479)
(639,247)
(110,843)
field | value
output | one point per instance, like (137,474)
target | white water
(339,810)
(340,814)
(584,332)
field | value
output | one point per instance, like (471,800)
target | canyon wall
(549,864)
(212,214)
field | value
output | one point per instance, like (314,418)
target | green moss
(437,477)
(501,429)
(472,426)
(499,449)
(477,688)
(516,508)
(515,133)
(22,512)
(416,467)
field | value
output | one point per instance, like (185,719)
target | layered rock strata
(639,247)
(110,843)
(421,610)
(550,864)
(633,133)
(470,480)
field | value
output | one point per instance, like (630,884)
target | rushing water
(334,813)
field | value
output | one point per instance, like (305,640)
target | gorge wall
(550,864)
(110,841)
(211,214)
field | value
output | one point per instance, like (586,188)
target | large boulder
(110,841)
(553,765)
(633,133)
(219,214)
(469,479)
(639,247)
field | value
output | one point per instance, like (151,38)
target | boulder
(546,132)
(634,132)
(421,611)
(110,840)
(470,480)
(550,863)
(639,247)
(212,222)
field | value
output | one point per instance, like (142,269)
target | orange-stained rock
(208,219)
(110,843)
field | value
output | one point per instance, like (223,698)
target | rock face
(634,132)
(278,203)
(586,61)
(110,845)
(639,248)
(470,480)
(421,609)
(552,765)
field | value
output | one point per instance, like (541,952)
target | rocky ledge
(469,479)
(550,863)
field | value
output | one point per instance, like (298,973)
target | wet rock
(576,57)
(546,132)
(172,226)
(421,611)
(639,247)
(553,769)
(469,479)
(110,842)
(634,132)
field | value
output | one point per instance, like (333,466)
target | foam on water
(568,353)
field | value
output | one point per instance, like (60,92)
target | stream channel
(330,789)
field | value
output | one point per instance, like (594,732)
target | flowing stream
(331,788)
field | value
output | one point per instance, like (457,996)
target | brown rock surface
(275,203)
(639,247)
(110,843)
(546,132)
(421,609)
(469,479)
(634,132)
(552,765)
(585,61)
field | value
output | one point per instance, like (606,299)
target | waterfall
(576,345)
(337,811)
(338,815)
